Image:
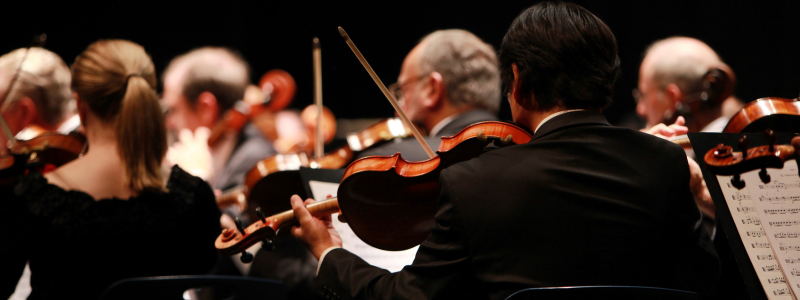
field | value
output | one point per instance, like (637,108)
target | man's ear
(26,111)
(207,109)
(674,95)
(436,95)
(516,93)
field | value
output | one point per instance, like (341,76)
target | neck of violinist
(443,112)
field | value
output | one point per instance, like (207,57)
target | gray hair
(43,77)
(468,67)
(683,69)
(221,71)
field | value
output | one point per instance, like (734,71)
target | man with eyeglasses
(671,84)
(447,82)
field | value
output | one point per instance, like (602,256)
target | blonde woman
(110,215)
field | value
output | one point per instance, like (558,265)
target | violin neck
(233,196)
(682,140)
(319,209)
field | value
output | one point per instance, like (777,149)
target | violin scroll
(722,160)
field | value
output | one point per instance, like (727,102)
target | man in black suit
(448,81)
(583,203)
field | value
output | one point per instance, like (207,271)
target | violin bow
(317,54)
(387,93)
(38,41)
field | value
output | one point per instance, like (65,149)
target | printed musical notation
(779,199)
(771,268)
(745,209)
(767,223)
(782,211)
(786,248)
(777,185)
(751,220)
(777,280)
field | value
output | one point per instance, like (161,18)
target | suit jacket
(251,148)
(583,203)
(410,147)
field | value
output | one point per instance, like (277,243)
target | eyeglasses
(397,87)
(637,95)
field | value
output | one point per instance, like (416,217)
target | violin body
(46,149)
(387,201)
(777,114)
(390,202)
(274,179)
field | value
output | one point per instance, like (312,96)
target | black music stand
(702,143)
(324,175)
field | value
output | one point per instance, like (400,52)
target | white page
(755,240)
(778,204)
(390,260)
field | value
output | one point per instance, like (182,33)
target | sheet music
(391,260)
(767,217)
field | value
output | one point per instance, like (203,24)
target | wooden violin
(47,149)
(387,201)
(270,193)
(277,89)
(722,160)
(778,114)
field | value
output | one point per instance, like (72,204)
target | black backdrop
(759,40)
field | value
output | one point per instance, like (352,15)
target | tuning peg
(246,257)
(261,215)
(743,143)
(765,178)
(771,138)
(737,181)
(239,226)
(268,245)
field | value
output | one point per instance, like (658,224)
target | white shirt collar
(553,116)
(435,130)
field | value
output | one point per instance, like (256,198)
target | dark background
(759,40)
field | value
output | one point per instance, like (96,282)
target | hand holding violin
(317,232)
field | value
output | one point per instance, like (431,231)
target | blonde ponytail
(116,78)
(141,137)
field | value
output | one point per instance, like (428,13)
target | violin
(270,192)
(47,149)
(389,202)
(722,160)
(778,114)
(276,91)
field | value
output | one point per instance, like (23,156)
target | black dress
(78,246)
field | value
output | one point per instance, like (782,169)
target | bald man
(671,84)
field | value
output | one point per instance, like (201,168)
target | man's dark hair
(565,55)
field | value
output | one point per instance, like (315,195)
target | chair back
(603,292)
(201,287)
